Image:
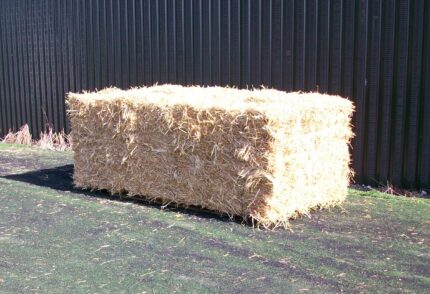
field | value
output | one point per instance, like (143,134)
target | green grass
(54,238)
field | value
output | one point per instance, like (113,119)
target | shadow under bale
(61,179)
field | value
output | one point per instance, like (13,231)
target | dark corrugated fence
(377,52)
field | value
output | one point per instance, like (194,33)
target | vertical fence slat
(348,48)
(3,113)
(245,41)
(400,91)
(323,44)
(386,89)
(424,154)
(373,84)
(360,85)
(299,44)
(311,45)
(288,46)
(235,43)
(11,58)
(413,93)
(335,48)
(197,42)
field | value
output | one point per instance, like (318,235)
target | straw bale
(263,154)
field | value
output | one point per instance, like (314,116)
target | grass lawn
(55,238)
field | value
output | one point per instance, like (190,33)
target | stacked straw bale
(263,154)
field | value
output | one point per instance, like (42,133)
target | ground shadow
(61,178)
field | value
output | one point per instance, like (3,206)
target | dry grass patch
(23,136)
(49,139)
(55,141)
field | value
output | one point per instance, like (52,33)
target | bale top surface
(268,101)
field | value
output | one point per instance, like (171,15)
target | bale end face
(263,154)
